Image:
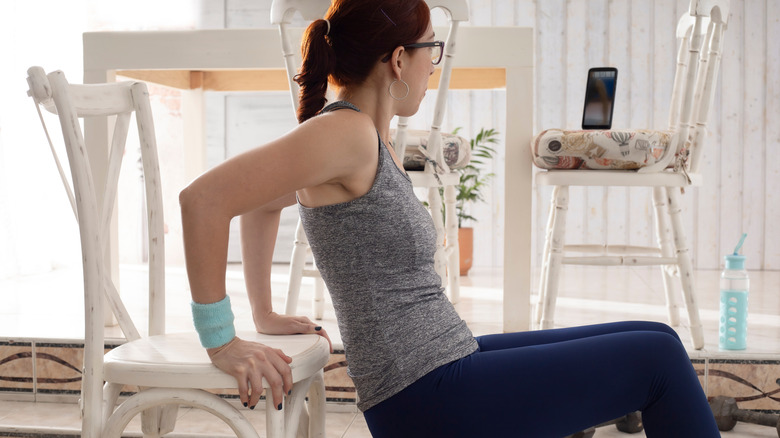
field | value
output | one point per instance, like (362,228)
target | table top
(217,49)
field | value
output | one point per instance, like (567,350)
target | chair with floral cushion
(430,157)
(668,161)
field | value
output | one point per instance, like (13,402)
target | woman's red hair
(361,33)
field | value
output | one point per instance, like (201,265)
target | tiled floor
(49,307)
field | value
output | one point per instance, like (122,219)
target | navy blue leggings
(553,383)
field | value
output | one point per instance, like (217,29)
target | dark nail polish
(318,328)
(252,407)
(246,404)
(289,392)
(279,408)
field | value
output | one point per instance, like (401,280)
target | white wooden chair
(671,163)
(436,175)
(167,369)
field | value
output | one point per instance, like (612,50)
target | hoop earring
(390,90)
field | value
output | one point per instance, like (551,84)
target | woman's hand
(249,363)
(274,324)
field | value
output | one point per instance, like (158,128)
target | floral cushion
(457,150)
(599,149)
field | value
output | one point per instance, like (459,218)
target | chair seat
(627,178)
(178,360)
(424,179)
(457,150)
(599,149)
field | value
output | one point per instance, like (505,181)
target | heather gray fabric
(375,254)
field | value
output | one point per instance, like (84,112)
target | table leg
(518,196)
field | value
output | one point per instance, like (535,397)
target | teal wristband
(214,323)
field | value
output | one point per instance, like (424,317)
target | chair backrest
(282,12)
(700,36)
(71,102)
(456,11)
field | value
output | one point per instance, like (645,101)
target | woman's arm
(258,236)
(324,150)
(206,234)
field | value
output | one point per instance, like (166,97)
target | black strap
(340,104)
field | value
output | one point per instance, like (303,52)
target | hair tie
(327,32)
(387,16)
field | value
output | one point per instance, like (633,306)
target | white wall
(741,160)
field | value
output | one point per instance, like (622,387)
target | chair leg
(686,267)
(110,396)
(297,264)
(545,260)
(319,298)
(293,412)
(150,420)
(663,232)
(159,420)
(434,201)
(452,251)
(316,406)
(274,420)
(561,205)
(293,420)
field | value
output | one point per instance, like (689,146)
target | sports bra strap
(340,104)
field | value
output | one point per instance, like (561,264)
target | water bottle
(734,287)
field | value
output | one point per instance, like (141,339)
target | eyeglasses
(437,50)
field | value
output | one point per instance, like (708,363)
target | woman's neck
(380,110)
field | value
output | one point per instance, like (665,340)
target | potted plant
(469,191)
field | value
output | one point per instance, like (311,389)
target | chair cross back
(71,102)
(169,369)
(457,11)
(282,13)
(703,40)
(699,35)
(121,100)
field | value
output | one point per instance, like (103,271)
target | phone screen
(599,98)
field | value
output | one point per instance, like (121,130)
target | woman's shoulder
(343,129)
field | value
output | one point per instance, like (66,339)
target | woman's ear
(397,60)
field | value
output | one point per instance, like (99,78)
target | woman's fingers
(243,390)
(256,382)
(305,326)
(249,363)
(281,364)
(321,331)
(275,384)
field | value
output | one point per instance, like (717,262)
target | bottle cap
(735,262)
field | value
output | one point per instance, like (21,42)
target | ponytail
(318,63)
(358,33)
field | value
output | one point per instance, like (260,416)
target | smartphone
(599,98)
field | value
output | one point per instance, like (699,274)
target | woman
(417,368)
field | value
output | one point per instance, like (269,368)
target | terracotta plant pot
(466,246)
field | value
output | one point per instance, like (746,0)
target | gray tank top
(375,254)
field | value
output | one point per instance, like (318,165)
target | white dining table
(251,59)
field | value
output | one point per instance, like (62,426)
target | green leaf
(472,177)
